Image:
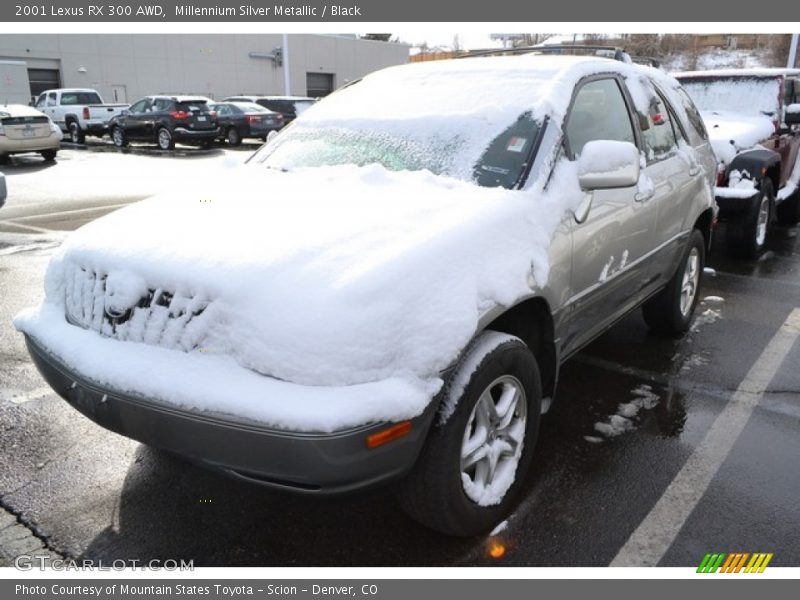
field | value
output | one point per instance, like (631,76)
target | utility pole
(792,52)
(287,78)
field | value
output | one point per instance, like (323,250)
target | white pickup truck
(78,112)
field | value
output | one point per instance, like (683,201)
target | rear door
(610,246)
(134,122)
(673,177)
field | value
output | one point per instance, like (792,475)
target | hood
(329,276)
(731,132)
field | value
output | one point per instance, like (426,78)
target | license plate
(201,118)
(28,133)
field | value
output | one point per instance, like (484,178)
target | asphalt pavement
(706,463)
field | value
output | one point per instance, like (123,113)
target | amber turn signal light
(384,436)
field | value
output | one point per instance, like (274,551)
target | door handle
(644,196)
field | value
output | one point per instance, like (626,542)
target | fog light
(389,434)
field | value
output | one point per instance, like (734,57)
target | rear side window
(140,106)
(281,106)
(599,112)
(73,98)
(163,105)
(192,106)
(51,99)
(695,120)
(657,130)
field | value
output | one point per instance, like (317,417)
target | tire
(76,135)
(49,155)
(670,311)
(747,236)
(233,137)
(118,137)
(788,211)
(164,139)
(441,492)
(4,159)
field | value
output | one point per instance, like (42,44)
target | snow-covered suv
(387,290)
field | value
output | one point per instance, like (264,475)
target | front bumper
(304,462)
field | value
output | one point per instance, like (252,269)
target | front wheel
(233,137)
(670,311)
(747,236)
(76,135)
(118,137)
(165,140)
(477,453)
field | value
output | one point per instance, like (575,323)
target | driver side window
(139,107)
(599,112)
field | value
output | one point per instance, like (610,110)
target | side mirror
(124,112)
(792,116)
(606,164)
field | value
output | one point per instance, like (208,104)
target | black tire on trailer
(746,236)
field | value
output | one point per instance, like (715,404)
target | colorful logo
(735,563)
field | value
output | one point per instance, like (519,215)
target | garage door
(319,84)
(43,79)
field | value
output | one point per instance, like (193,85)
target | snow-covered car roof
(19,110)
(755,72)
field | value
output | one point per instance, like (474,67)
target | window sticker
(516,144)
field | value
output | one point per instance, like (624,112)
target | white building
(124,67)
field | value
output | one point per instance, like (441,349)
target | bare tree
(378,37)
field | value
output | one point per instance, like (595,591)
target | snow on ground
(625,417)
(719,59)
(706,317)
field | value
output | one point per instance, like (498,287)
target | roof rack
(574,49)
(650,61)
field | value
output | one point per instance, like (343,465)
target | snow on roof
(762,72)
(19,110)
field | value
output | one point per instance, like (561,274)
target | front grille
(160,317)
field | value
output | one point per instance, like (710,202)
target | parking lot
(707,464)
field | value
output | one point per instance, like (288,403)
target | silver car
(579,188)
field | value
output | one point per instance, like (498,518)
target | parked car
(78,112)
(289,106)
(239,120)
(387,290)
(166,120)
(24,129)
(752,117)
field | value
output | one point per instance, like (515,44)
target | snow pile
(623,420)
(793,109)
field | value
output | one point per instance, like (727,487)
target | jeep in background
(752,117)
(78,112)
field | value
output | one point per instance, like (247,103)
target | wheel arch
(758,164)
(531,320)
(705,224)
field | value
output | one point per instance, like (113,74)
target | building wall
(212,65)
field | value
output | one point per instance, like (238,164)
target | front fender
(755,163)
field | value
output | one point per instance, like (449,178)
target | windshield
(754,95)
(301,106)
(456,122)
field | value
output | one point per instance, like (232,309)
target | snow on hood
(330,276)
(731,132)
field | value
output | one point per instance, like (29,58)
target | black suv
(289,106)
(166,120)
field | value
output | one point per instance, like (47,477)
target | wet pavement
(631,410)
